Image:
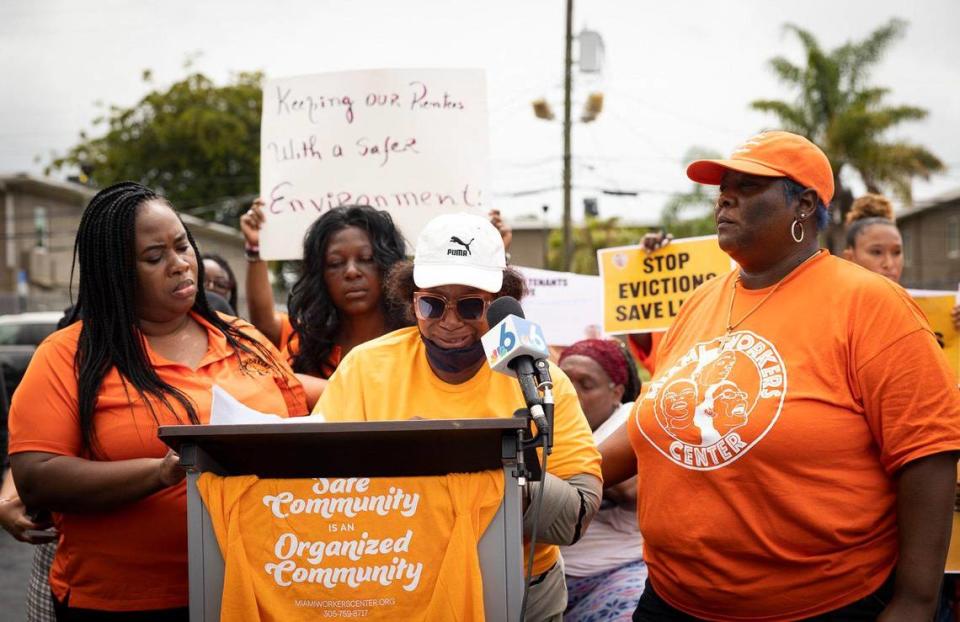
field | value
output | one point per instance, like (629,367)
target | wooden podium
(357,449)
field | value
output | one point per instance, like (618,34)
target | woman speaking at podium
(437,370)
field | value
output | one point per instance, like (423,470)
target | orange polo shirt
(768,457)
(133,557)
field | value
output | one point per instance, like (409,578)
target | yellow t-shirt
(389,378)
(378,549)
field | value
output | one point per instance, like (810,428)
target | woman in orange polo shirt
(83,423)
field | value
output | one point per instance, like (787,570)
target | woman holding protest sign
(337,303)
(769,421)
(438,369)
(605,570)
(83,423)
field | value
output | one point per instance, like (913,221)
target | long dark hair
(109,337)
(220,261)
(312,313)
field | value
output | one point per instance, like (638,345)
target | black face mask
(453,360)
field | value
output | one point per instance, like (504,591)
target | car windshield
(24,334)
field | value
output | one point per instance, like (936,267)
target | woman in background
(605,571)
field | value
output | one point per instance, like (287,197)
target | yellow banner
(643,293)
(379,549)
(937,309)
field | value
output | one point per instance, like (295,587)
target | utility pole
(567,90)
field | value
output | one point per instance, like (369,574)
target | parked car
(20,334)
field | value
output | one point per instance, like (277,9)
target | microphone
(514,346)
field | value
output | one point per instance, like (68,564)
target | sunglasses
(433,306)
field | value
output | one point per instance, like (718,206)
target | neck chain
(731,324)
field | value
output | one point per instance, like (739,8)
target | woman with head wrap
(605,570)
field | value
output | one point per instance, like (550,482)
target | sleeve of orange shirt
(44,414)
(908,392)
(910,400)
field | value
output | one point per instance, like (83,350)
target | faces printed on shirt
(716,402)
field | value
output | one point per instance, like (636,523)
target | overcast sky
(678,74)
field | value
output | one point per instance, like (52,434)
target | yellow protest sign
(643,293)
(936,305)
(379,549)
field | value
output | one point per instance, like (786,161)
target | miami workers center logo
(716,402)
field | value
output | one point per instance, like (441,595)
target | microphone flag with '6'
(511,337)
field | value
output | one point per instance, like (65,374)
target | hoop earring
(793,230)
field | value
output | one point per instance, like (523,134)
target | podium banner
(378,549)
(643,293)
(410,141)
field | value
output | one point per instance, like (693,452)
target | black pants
(66,613)
(652,608)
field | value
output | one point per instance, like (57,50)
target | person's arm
(313,387)
(13,515)
(68,484)
(926,489)
(506,232)
(955,316)
(568,507)
(619,462)
(623,494)
(259,292)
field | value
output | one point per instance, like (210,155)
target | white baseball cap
(460,249)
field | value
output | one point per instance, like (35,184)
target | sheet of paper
(228,410)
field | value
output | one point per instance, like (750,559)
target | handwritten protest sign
(379,549)
(936,305)
(643,292)
(410,141)
(566,305)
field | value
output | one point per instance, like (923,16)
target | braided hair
(110,336)
(312,313)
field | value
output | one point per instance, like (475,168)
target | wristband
(252,253)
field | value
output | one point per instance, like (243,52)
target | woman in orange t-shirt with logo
(145,352)
(797,447)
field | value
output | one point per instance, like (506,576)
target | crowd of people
(792,457)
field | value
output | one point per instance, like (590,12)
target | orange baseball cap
(772,154)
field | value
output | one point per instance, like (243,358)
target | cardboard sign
(936,305)
(409,141)
(643,293)
(564,304)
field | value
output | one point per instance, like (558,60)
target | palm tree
(688,214)
(837,109)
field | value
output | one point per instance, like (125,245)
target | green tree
(594,234)
(838,109)
(196,142)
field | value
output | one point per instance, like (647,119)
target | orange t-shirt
(381,549)
(290,347)
(133,557)
(767,459)
(389,378)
